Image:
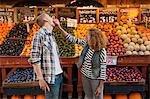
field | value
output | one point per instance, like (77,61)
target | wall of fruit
(125,38)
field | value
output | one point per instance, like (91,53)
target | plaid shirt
(42,54)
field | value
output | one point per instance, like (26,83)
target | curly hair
(96,39)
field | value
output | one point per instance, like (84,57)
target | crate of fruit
(124,75)
(20,77)
(21,82)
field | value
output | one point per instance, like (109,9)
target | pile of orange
(27,47)
(4,30)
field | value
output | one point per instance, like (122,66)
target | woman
(92,61)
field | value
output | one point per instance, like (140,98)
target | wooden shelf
(16,39)
(12,61)
(67,62)
(133,60)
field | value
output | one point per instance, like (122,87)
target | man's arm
(35,60)
(42,83)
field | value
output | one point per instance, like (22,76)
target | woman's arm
(102,77)
(103,66)
(70,37)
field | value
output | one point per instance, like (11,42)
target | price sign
(71,22)
(87,16)
(131,13)
(145,15)
(108,15)
(25,14)
(111,60)
(6,14)
(65,13)
(48,10)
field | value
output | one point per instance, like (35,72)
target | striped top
(86,68)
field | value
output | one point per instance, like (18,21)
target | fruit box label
(111,60)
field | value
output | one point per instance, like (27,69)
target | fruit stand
(128,40)
(111,87)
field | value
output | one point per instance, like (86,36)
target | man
(45,58)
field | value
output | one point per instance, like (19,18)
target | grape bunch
(123,74)
(14,41)
(18,31)
(12,47)
(20,75)
(66,48)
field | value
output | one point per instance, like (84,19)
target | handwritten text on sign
(108,15)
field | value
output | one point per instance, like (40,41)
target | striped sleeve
(73,39)
(103,66)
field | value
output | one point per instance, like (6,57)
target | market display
(124,38)
(4,30)
(66,48)
(114,74)
(115,45)
(135,41)
(20,75)
(27,46)
(14,41)
(127,31)
(126,74)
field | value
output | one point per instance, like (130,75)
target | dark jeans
(55,89)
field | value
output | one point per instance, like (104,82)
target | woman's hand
(43,85)
(56,22)
(99,88)
(98,91)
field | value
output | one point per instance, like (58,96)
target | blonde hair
(96,39)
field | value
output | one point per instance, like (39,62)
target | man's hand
(43,85)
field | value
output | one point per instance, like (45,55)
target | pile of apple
(27,47)
(115,45)
(4,30)
(123,74)
(80,32)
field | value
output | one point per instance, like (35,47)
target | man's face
(50,21)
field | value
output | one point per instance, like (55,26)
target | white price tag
(111,60)
(71,22)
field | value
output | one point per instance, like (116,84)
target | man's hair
(40,20)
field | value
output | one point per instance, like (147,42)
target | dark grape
(20,75)
(15,40)
(66,48)
(12,47)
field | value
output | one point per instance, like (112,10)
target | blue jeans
(55,89)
